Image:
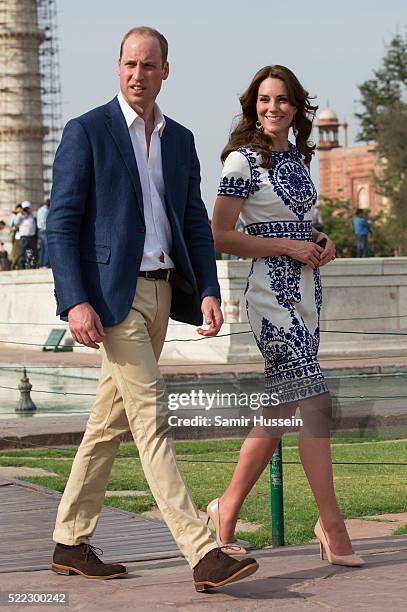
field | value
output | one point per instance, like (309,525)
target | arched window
(363,197)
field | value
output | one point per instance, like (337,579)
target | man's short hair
(146,31)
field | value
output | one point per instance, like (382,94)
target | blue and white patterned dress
(283,296)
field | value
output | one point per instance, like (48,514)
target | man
(42,215)
(361,229)
(27,228)
(130,244)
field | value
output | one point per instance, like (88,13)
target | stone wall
(348,172)
(359,294)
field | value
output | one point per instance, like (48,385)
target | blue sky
(216,47)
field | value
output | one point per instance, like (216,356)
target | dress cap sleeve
(236,176)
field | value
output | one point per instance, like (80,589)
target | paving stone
(18,472)
(127,493)
(385,524)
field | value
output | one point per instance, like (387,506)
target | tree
(392,180)
(384,120)
(385,89)
(338,215)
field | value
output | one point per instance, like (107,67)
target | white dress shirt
(42,215)
(158,239)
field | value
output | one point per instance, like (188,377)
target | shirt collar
(130,114)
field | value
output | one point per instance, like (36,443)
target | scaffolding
(30,101)
(50,86)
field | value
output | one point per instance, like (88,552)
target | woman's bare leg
(255,454)
(315,454)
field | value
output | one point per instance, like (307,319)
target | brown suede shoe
(83,560)
(216,569)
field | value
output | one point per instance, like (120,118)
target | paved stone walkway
(291,578)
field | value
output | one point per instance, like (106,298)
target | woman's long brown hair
(245,133)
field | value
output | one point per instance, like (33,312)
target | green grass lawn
(208,466)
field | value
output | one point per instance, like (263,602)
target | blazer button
(142,230)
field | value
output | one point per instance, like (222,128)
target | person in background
(4,260)
(3,231)
(15,237)
(27,226)
(42,215)
(361,229)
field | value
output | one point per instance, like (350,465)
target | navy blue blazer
(96,228)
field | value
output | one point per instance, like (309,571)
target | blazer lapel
(169,161)
(117,126)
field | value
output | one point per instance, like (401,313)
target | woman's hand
(308,253)
(328,254)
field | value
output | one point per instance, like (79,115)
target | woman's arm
(229,240)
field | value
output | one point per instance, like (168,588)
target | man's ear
(166,70)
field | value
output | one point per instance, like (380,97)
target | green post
(277,497)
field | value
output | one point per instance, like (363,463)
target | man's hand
(212,316)
(85,325)
(328,254)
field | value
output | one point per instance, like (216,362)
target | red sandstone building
(346,172)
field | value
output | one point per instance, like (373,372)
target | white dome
(327,115)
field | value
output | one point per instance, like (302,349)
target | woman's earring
(259,126)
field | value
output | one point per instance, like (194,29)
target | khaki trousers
(131,395)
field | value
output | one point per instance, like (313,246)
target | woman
(266,181)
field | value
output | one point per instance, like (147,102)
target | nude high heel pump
(231,548)
(348,560)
